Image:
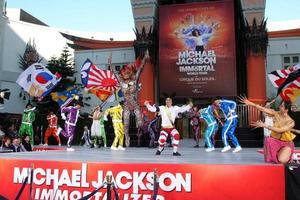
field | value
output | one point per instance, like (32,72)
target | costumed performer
(129,83)
(228,108)
(168,113)
(116,115)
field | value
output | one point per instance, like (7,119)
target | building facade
(15,33)
(283,52)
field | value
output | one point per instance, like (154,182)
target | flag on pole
(37,80)
(65,97)
(284,78)
(93,77)
(101,83)
(287,82)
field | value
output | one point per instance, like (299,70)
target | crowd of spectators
(11,142)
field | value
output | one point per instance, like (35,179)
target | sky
(81,15)
(116,15)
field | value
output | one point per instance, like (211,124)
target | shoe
(237,149)
(96,146)
(59,145)
(225,149)
(105,146)
(70,149)
(210,149)
(158,152)
(58,131)
(196,146)
(45,145)
(176,154)
(114,148)
(121,148)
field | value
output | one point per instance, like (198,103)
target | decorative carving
(143,42)
(30,56)
(256,37)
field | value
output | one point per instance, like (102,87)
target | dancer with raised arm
(129,83)
(70,123)
(168,114)
(279,147)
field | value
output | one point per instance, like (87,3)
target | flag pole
(110,61)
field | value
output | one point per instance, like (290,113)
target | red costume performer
(52,128)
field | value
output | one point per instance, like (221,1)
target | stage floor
(189,155)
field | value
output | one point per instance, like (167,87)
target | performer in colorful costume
(52,128)
(168,114)
(116,115)
(153,130)
(27,120)
(129,83)
(143,129)
(195,123)
(70,123)
(103,133)
(279,146)
(228,108)
(212,126)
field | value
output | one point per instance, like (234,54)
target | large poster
(197,49)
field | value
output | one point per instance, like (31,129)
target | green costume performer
(103,134)
(27,119)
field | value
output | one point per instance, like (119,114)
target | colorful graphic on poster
(197,49)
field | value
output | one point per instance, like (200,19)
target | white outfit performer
(268,121)
(168,115)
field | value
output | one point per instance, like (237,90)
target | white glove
(105,118)
(63,116)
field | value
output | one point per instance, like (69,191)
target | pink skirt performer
(279,146)
(272,146)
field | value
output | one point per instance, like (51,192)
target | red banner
(197,49)
(72,180)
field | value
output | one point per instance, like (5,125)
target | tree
(63,65)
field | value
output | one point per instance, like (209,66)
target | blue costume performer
(212,126)
(228,108)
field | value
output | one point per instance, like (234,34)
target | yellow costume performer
(116,115)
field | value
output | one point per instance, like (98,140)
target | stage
(194,175)
(190,155)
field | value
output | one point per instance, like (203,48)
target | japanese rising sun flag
(37,80)
(287,82)
(101,83)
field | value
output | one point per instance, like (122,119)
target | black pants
(200,48)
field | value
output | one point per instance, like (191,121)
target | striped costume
(212,126)
(70,123)
(168,115)
(228,108)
